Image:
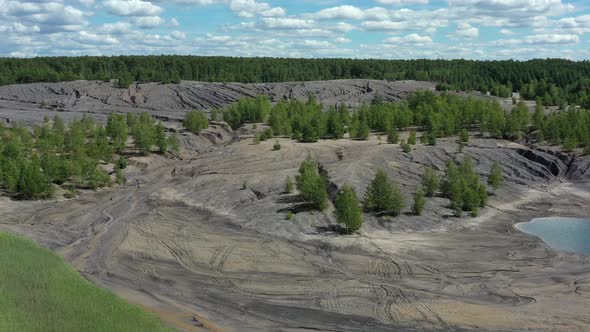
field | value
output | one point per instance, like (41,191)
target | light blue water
(569,234)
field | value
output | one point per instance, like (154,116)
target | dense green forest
(555,81)
(33,162)
(437,115)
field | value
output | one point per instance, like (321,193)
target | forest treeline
(33,162)
(555,81)
(437,115)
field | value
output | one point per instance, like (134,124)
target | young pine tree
(289,186)
(464,136)
(430,182)
(383,196)
(312,185)
(392,136)
(419,202)
(195,121)
(496,176)
(348,211)
(412,138)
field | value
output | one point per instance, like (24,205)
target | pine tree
(195,121)
(161,139)
(289,186)
(383,196)
(496,178)
(412,138)
(348,211)
(419,202)
(312,185)
(464,136)
(392,136)
(430,182)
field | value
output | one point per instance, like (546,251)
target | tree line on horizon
(555,81)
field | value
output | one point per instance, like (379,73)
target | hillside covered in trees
(70,155)
(555,81)
(436,115)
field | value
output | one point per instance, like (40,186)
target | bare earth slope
(171,101)
(190,243)
(185,240)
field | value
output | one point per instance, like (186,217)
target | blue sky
(390,29)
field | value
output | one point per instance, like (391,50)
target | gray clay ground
(183,239)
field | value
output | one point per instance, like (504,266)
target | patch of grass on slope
(39,291)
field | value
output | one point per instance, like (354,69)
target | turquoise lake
(569,234)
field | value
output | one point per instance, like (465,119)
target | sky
(386,29)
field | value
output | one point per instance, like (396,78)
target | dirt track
(189,242)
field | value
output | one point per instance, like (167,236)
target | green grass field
(39,291)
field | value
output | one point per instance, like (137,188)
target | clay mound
(29,103)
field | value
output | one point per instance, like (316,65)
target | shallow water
(569,234)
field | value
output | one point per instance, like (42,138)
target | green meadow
(39,291)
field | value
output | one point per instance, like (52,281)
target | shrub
(464,136)
(423,139)
(32,183)
(419,202)
(289,185)
(195,121)
(383,196)
(496,177)
(276,146)
(71,193)
(120,179)
(214,114)
(392,136)
(430,182)
(267,134)
(348,211)
(98,178)
(431,138)
(407,148)
(173,144)
(121,163)
(412,138)
(289,215)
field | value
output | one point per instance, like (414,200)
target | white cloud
(286,23)
(132,8)
(115,28)
(147,22)
(173,22)
(248,8)
(47,16)
(20,28)
(178,35)
(95,39)
(519,28)
(465,30)
(413,38)
(402,2)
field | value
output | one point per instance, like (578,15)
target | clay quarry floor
(184,240)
